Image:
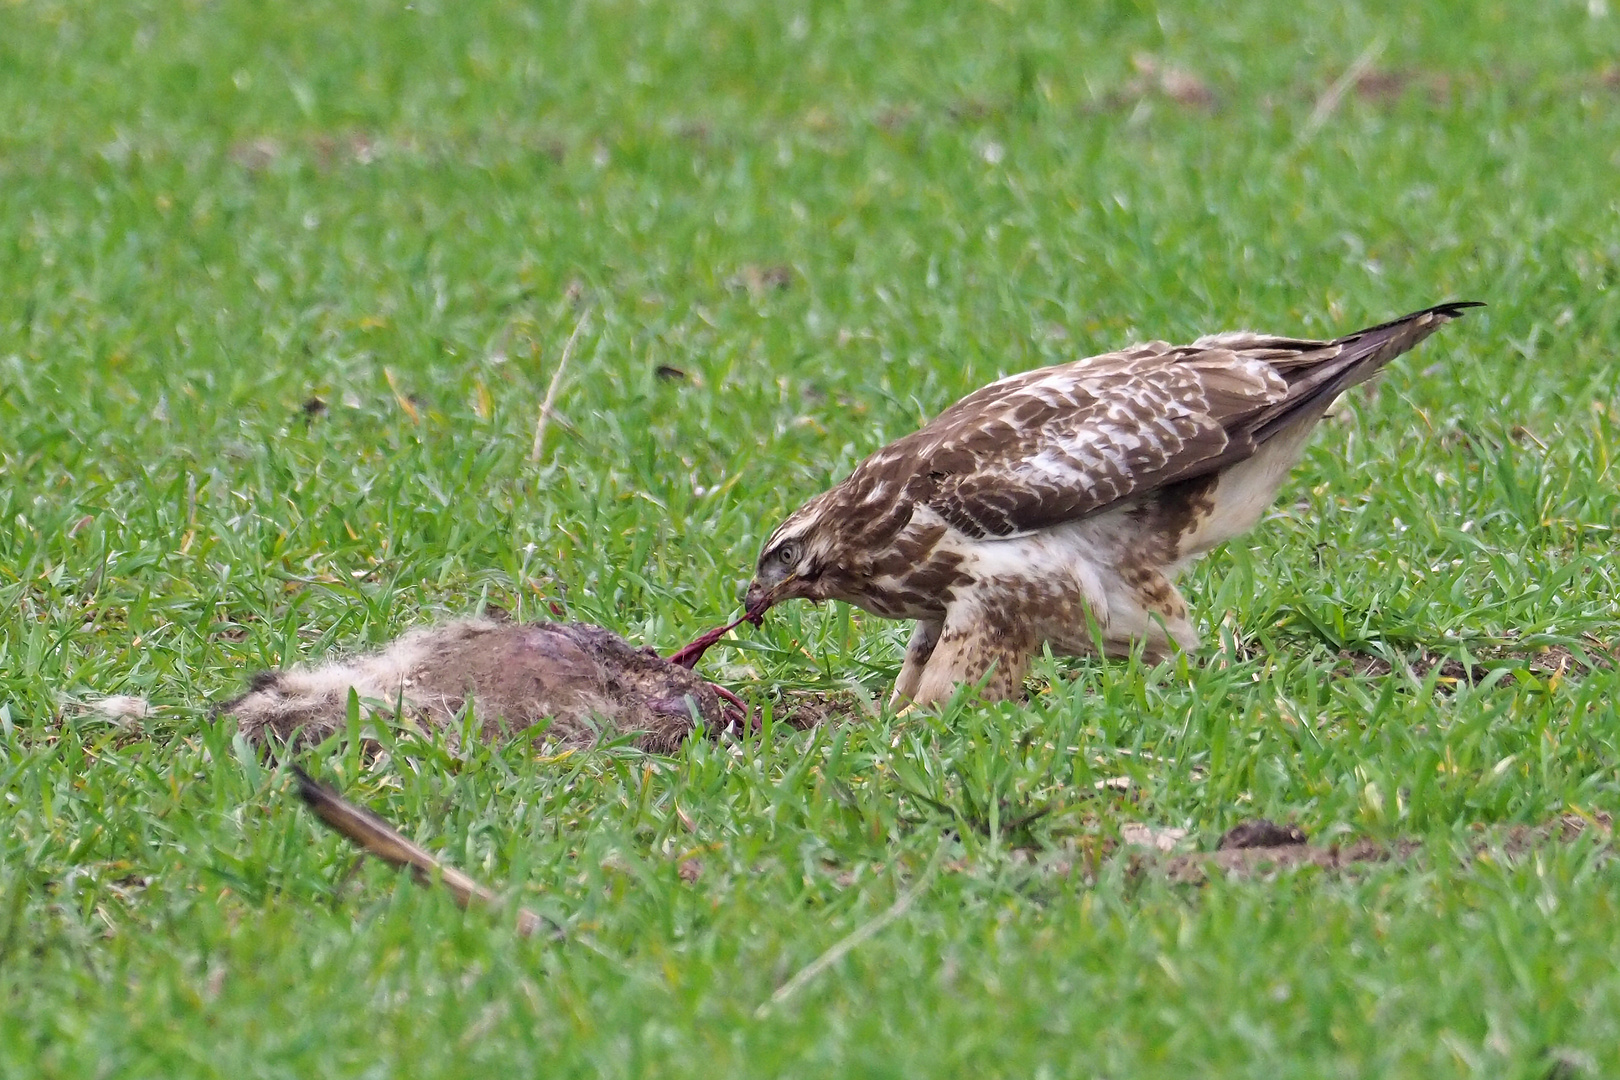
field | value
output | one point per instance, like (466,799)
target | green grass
(213,213)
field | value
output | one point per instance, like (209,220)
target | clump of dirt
(1260,833)
(587,681)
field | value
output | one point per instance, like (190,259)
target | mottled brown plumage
(1058,506)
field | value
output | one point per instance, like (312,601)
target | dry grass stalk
(1333,95)
(550,401)
(851,941)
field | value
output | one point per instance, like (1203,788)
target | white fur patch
(121,707)
(383,676)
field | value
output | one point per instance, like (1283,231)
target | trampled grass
(283,290)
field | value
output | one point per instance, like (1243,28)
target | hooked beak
(757,602)
(759,599)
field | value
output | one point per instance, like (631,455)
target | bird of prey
(1056,507)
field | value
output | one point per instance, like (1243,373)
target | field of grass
(283,286)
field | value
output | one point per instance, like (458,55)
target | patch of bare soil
(588,682)
(805,709)
(1195,868)
(1156,79)
(1258,847)
(326,151)
(1518,840)
(759,280)
(1550,661)
(1154,76)
(1385,86)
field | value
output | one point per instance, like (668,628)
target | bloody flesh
(689,656)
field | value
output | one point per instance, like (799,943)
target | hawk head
(795,561)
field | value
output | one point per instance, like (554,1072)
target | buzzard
(1057,506)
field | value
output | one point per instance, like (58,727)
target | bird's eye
(788,553)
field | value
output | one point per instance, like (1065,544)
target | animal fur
(586,681)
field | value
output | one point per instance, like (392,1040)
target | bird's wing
(1047,446)
(1051,445)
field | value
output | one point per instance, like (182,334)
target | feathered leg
(1150,610)
(974,644)
(918,650)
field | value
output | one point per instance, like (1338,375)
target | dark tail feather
(376,837)
(1361,356)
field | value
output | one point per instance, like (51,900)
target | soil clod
(1260,833)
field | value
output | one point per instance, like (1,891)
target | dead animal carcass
(587,682)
